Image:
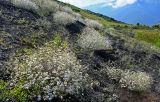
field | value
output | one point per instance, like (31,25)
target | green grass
(58,41)
(104,22)
(25,51)
(16,93)
(150,36)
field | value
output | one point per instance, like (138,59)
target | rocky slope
(48,52)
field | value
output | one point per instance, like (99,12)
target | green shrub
(14,93)
(156,26)
(57,40)
(19,93)
(3,90)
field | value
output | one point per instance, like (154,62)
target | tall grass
(150,36)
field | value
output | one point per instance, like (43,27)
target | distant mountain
(141,12)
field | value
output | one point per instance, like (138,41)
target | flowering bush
(26,4)
(63,18)
(93,23)
(91,39)
(136,81)
(71,12)
(41,7)
(114,73)
(46,6)
(52,70)
(66,9)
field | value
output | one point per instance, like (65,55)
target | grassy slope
(141,32)
(150,35)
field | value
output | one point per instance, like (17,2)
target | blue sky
(112,3)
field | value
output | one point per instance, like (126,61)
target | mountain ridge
(131,13)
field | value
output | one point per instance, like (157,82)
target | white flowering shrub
(46,6)
(54,70)
(41,7)
(66,9)
(26,4)
(114,73)
(71,12)
(63,18)
(91,39)
(136,81)
(92,23)
(77,15)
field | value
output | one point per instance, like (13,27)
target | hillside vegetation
(52,51)
(138,30)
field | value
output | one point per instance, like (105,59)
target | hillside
(140,12)
(54,52)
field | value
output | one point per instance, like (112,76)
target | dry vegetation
(51,70)
(63,18)
(92,39)
(135,81)
(54,70)
(93,24)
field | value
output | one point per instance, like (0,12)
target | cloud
(121,3)
(113,3)
(85,3)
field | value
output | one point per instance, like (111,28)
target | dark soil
(18,30)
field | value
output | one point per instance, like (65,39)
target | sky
(112,3)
